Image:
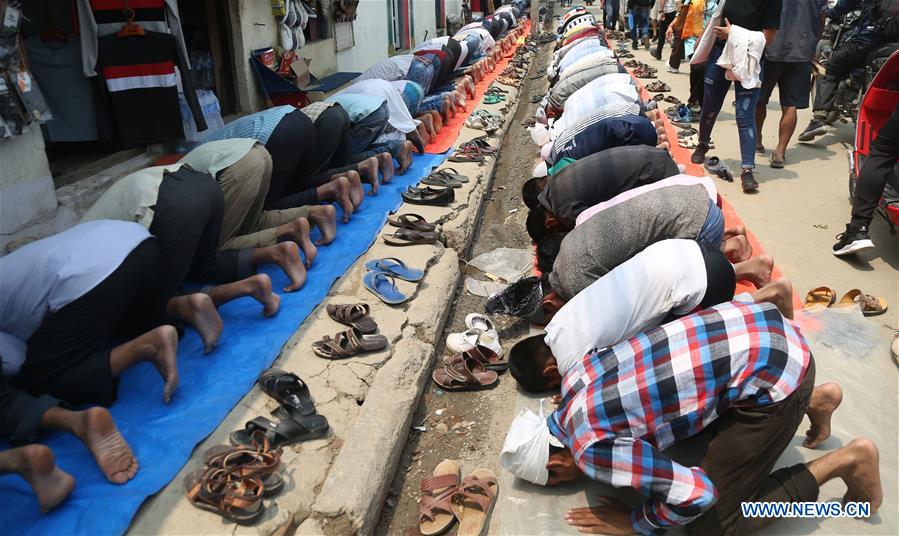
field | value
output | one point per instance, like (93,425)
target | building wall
(424,20)
(26,186)
(372,39)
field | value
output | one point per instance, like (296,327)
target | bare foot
(98,432)
(428,123)
(287,257)
(756,270)
(38,467)
(825,400)
(325,218)
(198,311)
(165,357)
(416,140)
(405,157)
(423,134)
(780,293)
(298,231)
(449,107)
(438,120)
(736,230)
(737,249)
(261,291)
(368,169)
(863,474)
(664,145)
(337,190)
(357,192)
(385,165)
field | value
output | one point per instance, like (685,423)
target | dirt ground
(464,426)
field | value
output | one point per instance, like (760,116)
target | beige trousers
(245,185)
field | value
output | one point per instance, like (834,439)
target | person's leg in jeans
(746,100)
(877,169)
(714,91)
(644,26)
(635,27)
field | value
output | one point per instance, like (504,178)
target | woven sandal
(435,511)
(348,343)
(355,315)
(658,86)
(474,501)
(219,491)
(247,462)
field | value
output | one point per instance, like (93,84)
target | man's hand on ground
(610,517)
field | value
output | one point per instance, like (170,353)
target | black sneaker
(853,240)
(698,156)
(747,178)
(655,54)
(813,130)
(635,46)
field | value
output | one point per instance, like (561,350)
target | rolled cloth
(526,450)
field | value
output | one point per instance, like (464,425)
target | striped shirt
(258,126)
(570,125)
(623,405)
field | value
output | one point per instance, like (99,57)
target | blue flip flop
(396,268)
(384,287)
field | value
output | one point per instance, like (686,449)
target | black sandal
(287,389)
(291,429)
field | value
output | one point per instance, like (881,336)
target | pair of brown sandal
(445,499)
(822,297)
(354,341)
(465,372)
(235,480)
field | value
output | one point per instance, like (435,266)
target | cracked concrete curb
(351,500)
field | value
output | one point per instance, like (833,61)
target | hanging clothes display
(99,18)
(139,74)
(21,102)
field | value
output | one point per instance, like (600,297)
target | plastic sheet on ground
(508,264)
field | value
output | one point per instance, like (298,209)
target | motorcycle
(850,90)
(879,101)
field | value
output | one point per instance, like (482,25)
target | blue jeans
(423,72)
(712,232)
(640,23)
(611,13)
(715,90)
(432,102)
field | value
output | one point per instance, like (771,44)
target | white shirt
(393,68)
(668,276)
(600,92)
(742,56)
(44,276)
(400,118)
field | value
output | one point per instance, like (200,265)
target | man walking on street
(668,10)
(789,66)
(640,22)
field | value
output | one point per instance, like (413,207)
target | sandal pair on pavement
(822,297)
(381,278)
(438,197)
(446,499)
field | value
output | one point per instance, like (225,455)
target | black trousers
(677,52)
(303,156)
(68,355)
(846,57)
(187,222)
(664,23)
(878,169)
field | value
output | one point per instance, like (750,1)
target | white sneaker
(672,69)
(481,322)
(465,341)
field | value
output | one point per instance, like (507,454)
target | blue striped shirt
(258,126)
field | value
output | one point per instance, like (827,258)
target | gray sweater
(616,234)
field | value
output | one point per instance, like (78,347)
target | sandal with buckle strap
(244,462)
(354,315)
(435,512)
(348,343)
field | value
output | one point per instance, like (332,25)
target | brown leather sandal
(348,344)
(467,374)
(355,315)
(220,491)
(870,305)
(483,355)
(473,503)
(247,461)
(435,511)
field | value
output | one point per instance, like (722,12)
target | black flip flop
(286,432)
(287,389)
